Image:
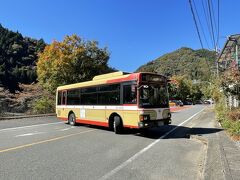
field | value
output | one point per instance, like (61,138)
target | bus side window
(129,94)
(64,97)
(59,102)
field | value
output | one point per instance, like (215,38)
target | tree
(180,89)
(70,61)
(184,89)
(230,82)
(18,57)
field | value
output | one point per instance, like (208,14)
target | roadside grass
(229,119)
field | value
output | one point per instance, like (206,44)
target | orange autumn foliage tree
(70,61)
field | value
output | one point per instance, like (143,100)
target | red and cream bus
(116,100)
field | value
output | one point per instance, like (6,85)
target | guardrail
(26,116)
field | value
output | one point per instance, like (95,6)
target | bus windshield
(153,96)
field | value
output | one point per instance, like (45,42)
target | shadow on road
(156,133)
(180,132)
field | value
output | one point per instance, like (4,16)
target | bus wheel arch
(71,118)
(115,123)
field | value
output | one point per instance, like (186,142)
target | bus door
(129,98)
(64,103)
(61,102)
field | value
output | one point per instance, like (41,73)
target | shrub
(236,128)
(234,114)
(221,110)
(44,105)
(229,119)
(233,127)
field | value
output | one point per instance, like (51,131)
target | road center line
(44,141)
(135,156)
(22,127)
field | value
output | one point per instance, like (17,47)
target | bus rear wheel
(72,119)
(117,125)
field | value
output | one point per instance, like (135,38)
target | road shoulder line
(35,125)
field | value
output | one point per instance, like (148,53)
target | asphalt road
(46,148)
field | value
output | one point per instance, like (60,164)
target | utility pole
(217,61)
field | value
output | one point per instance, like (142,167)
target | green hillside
(195,64)
(18,56)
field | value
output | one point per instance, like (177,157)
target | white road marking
(65,129)
(29,134)
(135,156)
(22,127)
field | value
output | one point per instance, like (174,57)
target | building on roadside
(228,68)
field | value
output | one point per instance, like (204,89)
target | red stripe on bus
(84,121)
(130,126)
(105,124)
(97,123)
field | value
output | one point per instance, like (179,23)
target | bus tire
(117,125)
(72,119)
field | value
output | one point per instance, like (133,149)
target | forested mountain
(18,56)
(195,64)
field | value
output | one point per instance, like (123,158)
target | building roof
(228,51)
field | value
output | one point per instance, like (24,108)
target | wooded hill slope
(195,64)
(18,56)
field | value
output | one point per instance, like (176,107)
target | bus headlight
(166,114)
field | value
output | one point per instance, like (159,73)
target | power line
(207,20)
(195,22)
(199,20)
(218,22)
(213,15)
(211,23)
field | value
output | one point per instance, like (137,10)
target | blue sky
(134,31)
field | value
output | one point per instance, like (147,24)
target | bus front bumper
(154,123)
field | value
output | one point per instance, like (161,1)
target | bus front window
(153,96)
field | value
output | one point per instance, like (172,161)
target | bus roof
(110,78)
(103,79)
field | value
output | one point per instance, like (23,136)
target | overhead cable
(199,20)
(195,22)
(211,22)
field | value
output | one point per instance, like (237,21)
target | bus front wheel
(72,119)
(117,125)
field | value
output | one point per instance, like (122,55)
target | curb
(26,116)
(199,138)
(202,165)
(225,164)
